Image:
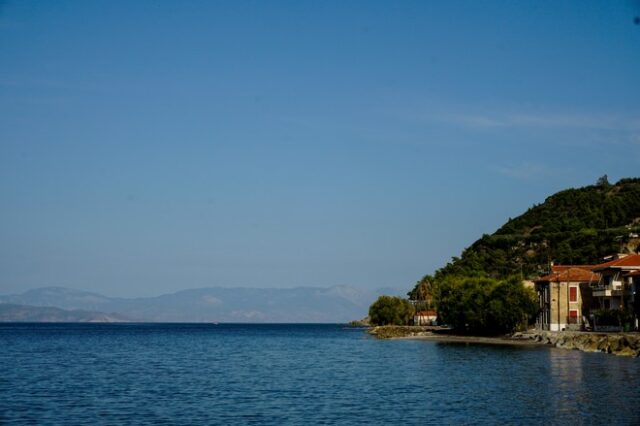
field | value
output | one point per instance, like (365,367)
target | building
(425,318)
(565,297)
(635,279)
(571,293)
(619,284)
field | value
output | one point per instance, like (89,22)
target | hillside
(574,226)
(24,313)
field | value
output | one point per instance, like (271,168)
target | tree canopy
(391,310)
(484,305)
(574,226)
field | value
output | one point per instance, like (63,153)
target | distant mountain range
(214,304)
(22,313)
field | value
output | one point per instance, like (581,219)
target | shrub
(391,310)
(613,317)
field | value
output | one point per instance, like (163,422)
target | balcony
(608,292)
(615,288)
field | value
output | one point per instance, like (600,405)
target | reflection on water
(565,380)
(592,388)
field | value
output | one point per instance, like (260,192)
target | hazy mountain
(23,313)
(300,304)
(61,297)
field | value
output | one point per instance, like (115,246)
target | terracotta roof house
(619,283)
(627,262)
(564,296)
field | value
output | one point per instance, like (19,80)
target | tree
(391,310)
(422,293)
(553,231)
(484,305)
(603,181)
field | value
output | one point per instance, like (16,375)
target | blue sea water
(298,374)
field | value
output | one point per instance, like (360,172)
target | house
(570,293)
(619,284)
(425,318)
(565,296)
(635,279)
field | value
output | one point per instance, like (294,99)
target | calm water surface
(298,374)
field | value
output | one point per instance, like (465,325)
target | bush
(485,305)
(391,310)
(613,317)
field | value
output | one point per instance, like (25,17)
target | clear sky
(153,146)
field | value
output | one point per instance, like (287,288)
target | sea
(302,374)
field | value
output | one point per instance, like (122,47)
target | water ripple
(297,374)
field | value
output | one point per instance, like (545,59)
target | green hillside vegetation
(485,305)
(575,226)
(481,292)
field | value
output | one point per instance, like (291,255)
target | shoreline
(440,334)
(621,344)
(483,340)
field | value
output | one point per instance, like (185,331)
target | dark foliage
(485,305)
(575,226)
(422,293)
(391,310)
(613,317)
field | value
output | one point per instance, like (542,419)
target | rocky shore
(622,344)
(441,334)
(401,331)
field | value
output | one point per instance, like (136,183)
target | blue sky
(148,147)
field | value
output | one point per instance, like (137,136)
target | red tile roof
(577,274)
(561,268)
(631,261)
(427,314)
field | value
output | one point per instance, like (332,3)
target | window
(573,294)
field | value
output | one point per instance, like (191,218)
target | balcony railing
(615,288)
(613,285)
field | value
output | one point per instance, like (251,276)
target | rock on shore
(397,331)
(623,344)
